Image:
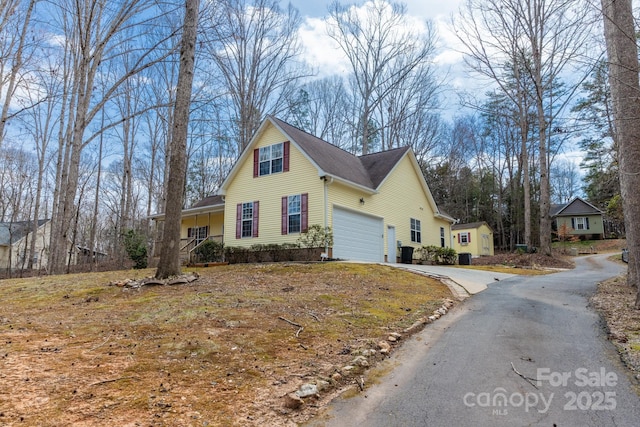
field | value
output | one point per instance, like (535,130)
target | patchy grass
(587,246)
(77,350)
(524,261)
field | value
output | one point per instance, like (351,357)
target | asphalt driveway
(528,351)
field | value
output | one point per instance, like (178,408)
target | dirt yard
(231,348)
(615,301)
(224,350)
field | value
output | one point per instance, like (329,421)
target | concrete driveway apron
(471,281)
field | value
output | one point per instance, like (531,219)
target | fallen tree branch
(101,344)
(290,322)
(112,381)
(527,379)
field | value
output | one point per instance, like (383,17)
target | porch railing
(191,251)
(187,246)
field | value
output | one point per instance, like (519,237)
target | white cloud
(326,57)
(320,50)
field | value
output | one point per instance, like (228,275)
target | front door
(391,244)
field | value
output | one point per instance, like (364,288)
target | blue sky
(448,60)
(423,8)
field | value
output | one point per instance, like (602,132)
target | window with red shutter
(256,212)
(256,162)
(247,220)
(305,213)
(270,159)
(285,157)
(284,216)
(239,221)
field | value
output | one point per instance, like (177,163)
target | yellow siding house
(475,238)
(287,180)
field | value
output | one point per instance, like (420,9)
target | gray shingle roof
(209,201)
(575,207)
(470,225)
(368,171)
(11,232)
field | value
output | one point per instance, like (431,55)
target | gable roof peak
(367,170)
(576,206)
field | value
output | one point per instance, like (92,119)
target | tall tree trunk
(622,51)
(526,184)
(124,220)
(170,256)
(537,38)
(94,219)
(70,179)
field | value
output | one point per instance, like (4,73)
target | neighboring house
(475,238)
(86,256)
(287,180)
(15,243)
(580,218)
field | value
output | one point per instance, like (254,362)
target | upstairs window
(416,234)
(271,159)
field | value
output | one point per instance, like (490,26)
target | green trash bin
(406,254)
(464,258)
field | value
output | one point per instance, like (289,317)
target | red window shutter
(458,237)
(284,223)
(239,221)
(468,237)
(256,211)
(285,156)
(256,162)
(304,214)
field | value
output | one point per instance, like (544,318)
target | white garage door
(357,237)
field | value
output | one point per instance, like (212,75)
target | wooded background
(88,88)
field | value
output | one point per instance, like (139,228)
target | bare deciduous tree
(565,181)
(622,52)
(39,123)
(14,26)
(386,53)
(525,47)
(319,107)
(255,46)
(91,34)
(169,264)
